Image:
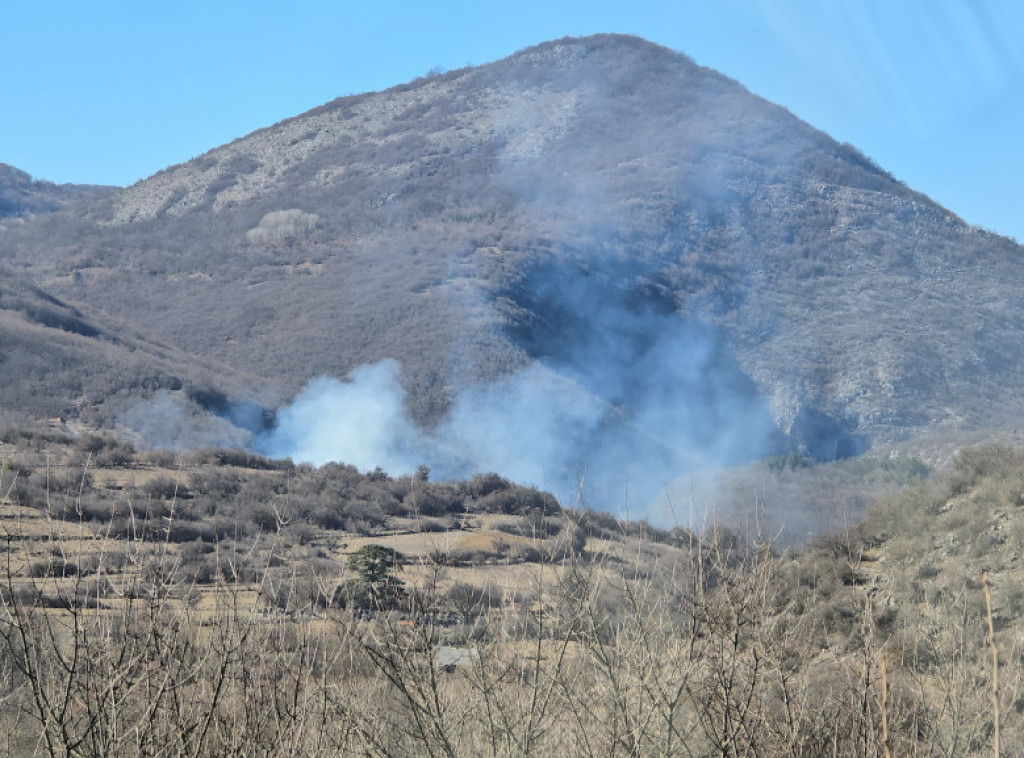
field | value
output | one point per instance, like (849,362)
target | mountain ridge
(22,195)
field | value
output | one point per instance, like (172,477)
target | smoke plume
(168,421)
(625,396)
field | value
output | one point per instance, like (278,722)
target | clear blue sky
(111,92)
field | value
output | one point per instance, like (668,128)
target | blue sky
(111,92)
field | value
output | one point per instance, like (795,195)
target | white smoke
(678,411)
(529,427)
(523,427)
(360,422)
(170,422)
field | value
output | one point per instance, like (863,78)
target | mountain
(684,253)
(20,195)
(66,363)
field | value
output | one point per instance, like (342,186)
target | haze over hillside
(592,253)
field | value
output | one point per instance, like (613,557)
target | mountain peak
(518,108)
(597,207)
(568,51)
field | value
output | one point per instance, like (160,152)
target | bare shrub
(711,642)
(278,226)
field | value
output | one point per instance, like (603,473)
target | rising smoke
(170,422)
(625,396)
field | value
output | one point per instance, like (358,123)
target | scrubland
(222,604)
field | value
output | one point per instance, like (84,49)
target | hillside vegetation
(471,223)
(59,360)
(21,195)
(222,604)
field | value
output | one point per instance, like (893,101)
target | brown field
(121,636)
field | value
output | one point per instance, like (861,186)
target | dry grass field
(497,631)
